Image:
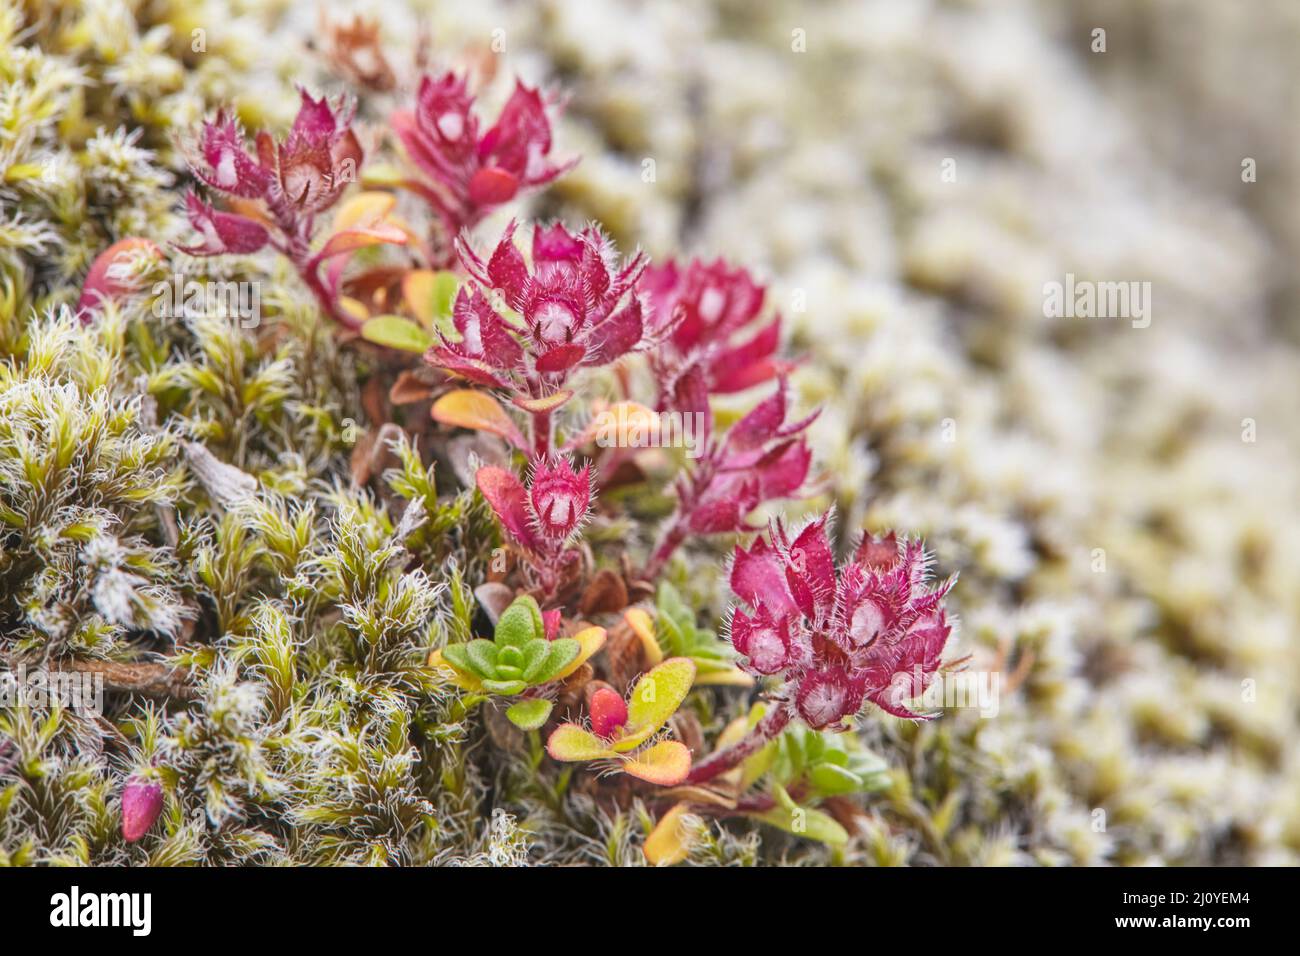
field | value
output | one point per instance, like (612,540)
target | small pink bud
(141,803)
(608,713)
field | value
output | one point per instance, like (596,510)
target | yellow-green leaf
(666,763)
(730,677)
(429,296)
(395,332)
(467,408)
(363,210)
(655,698)
(671,840)
(590,640)
(643,626)
(806,822)
(570,742)
(460,678)
(529,714)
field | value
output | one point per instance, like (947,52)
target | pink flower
(296,178)
(545,514)
(700,311)
(141,804)
(578,309)
(872,631)
(468,174)
(280,191)
(761,458)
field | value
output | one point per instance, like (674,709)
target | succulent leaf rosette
(520,657)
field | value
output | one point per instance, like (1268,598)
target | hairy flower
(578,308)
(278,193)
(699,311)
(873,630)
(467,173)
(761,458)
(545,514)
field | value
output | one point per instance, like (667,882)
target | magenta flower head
(578,309)
(142,802)
(280,192)
(543,515)
(469,174)
(762,457)
(296,178)
(706,314)
(873,630)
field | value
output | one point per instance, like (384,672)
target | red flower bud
(142,802)
(608,713)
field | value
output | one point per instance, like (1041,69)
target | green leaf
(456,656)
(655,698)
(506,688)
(395,332)
(520,623)
(534,656)
(806,822)
(529,714)
(482,656)
(831,780)
(558,656)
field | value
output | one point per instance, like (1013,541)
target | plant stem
(668,542)
(541,434)
(773,722)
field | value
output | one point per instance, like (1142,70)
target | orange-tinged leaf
(590,640)
(354,239)
(643,626)
(548,403)
(570,742)
(671,840)
(364,210)
(467,408)
(655,698)
(251,209)
(666,763)
(623,425)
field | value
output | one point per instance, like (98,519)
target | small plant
(873,630)
(620,729)
(700,309)
(521,657)
(783,785)
(572,309)
(762,457)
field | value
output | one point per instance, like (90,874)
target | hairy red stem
(773,722)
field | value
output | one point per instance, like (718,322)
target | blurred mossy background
(1120,501)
